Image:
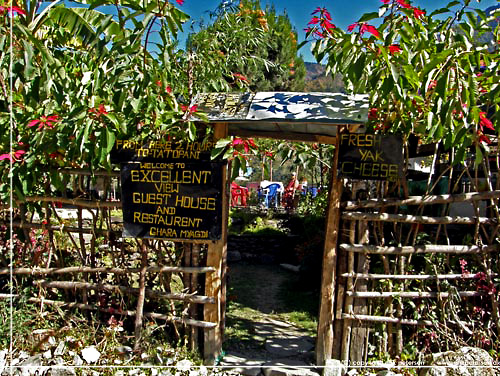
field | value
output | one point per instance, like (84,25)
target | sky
(344,12)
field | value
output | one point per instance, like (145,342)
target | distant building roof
(285,115)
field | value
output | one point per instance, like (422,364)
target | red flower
(324,20)
(352,26)
(418,12)
(371,29)
(364,27)
(393,48)
(158,83)
(385,1)
(432,84)
(240,77)
(12,10)
(372,114)
(168,89)
(191,109)
(314,20)
(485,122)
(44,121)
(404,4)
(180,2)
(101,110)
(14,156)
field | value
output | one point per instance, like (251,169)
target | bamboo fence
(371,308)
(85,262)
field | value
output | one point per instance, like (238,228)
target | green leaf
(236,168)
(368,16)
(222,143)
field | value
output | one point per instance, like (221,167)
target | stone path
(287,351)
(268,346)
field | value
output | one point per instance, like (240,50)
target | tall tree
(257,48)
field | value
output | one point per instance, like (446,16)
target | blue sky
(344,12)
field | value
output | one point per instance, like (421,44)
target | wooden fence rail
(86,269)
(88,307)
(421,200)
(124,289)
(407,250)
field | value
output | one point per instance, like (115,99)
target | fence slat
(200,299)
(461,249)
(412,277)
(422,200)
(86,269)
(421,219)
(412,294)
(153,315)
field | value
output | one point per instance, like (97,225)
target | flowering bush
(434,77)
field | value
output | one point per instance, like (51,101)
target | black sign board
(370,156)
(173,200)
(152,151)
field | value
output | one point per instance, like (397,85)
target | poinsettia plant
(79,80)
(434,75)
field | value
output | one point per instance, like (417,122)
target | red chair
(238,195)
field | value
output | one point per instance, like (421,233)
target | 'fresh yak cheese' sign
(370,156)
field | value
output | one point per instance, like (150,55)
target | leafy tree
(425,75)
(71,98)
(258,48)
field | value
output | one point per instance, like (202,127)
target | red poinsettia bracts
(393,48)
(322,21)
(101,110)
(44,122)
(191,110)
(484,122)
(363,27)
(12,10)
(15,156)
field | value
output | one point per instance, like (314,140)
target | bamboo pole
(217,252)
(412,276)
(142,295)
(339,301)
(459,249)
(200,299)
(423,200)
(73,201)
(153,315)
(324,340)
(403,218)
(411,294)
(86,269)
(64,228)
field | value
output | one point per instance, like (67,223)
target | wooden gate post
(324,341)
(214,282)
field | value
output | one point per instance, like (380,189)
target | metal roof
(313,117)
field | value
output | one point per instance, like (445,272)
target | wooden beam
(459,249)
(421,219)
(289,136)
(422,200)
(324,341)
(217,253)
(88,269)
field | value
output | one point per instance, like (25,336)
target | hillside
(318,81)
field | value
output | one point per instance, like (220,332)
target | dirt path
(261,327)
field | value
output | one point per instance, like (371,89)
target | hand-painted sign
(151,151)
(370,156)
(173,200)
